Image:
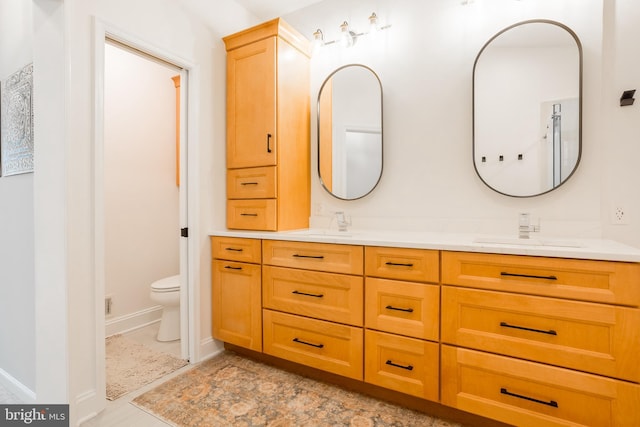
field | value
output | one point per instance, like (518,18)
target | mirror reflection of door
(325,132)
(527,108)
(350,132)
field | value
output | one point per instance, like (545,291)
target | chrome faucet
(343,221)
(525,227)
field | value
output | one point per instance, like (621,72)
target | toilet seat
(168,284)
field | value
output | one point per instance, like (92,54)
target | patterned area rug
(230,390)
(131,365)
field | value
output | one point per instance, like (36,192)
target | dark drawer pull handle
(407,367)
(399,264)
(233,249)
(519,396)
(248,183)
(308,256)
(298,340)
(406,310)
(248,214)
(268,143)
(540,331)
(307,295)
(230,267)
(530,276)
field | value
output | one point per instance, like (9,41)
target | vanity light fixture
(347,37)
(318,40)
(373,23)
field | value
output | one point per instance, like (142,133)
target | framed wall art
(16,123)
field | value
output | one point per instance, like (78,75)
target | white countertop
(596,249)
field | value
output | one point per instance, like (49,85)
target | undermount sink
(515,241)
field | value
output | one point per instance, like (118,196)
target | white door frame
(189,265)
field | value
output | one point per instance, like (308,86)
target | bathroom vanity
(530,334)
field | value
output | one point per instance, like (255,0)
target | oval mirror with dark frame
(350,132)
(527,108)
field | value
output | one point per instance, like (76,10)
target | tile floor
(6,397)
(120,412)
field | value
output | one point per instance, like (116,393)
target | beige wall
(142,238)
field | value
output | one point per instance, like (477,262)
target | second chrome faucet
(525,228)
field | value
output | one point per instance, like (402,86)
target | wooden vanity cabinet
(402,320)
(312,305)
(268,131)
(236,291)
(541,341)
(523,340)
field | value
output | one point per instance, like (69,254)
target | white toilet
(166,292)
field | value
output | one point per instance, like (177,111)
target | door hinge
(184,232)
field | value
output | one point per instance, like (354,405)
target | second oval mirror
(527,108)
(350,132)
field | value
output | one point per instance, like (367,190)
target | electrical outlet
(618,215)
(108,305)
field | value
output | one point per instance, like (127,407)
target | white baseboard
(129,322)
(19,390)
(210,348)
(87,405)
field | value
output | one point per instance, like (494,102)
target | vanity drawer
(236,249)
(327,257)
(530,394)
(323,345)
(235,298)
(404,308)
(417,265)
(590,337)
(251,183)
(327,296)
(598,281)
(407,365)
(258,214)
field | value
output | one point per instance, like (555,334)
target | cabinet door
(417,265)
(326,296)
(597,338)
(236,249)
(404,308)
(403,364)
(236,303)
(579,279)
(531,394)
(251,105)
(323,345)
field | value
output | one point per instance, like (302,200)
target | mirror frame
(381,129)
(580,81)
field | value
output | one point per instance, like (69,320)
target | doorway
(132,170)
(141,191)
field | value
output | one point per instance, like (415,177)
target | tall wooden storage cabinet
(268,108)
